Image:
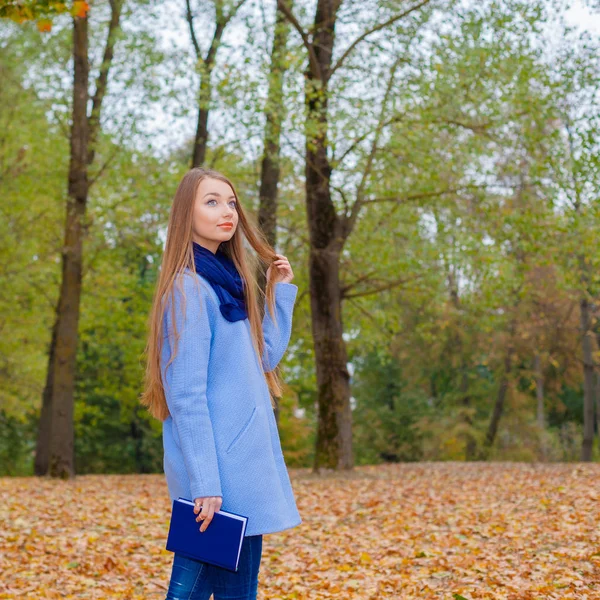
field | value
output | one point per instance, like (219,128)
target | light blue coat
(221,438)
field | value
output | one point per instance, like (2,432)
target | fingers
(207,508)
(283,269)
(282,263)
(209,517)
(204,512)
(281,259)
(198,503)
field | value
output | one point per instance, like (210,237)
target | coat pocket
(242,432)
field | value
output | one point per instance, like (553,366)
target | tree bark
(329,230)
(201,137)
(42,449)
(270,169)
(207,64)
(275,114)
(334,433)
(61,459)
(55,443)
(499,404)
(502,389)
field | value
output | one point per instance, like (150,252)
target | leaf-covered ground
(421,530)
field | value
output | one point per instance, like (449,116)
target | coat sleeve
(186,398)
(277,335)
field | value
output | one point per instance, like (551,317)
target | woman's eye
(231,202)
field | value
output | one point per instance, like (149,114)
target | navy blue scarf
(224,278)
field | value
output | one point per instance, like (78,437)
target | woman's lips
(228,226)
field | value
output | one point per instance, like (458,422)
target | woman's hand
(283,268)
(209,506)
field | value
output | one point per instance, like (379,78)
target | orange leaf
(80,9)
(44,25)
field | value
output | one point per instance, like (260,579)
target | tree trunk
(329,230)
(275,114)
(42,449)
(61,460)
(201,137)
(588,380)
(334,432)
(500,396)
(270,170)
(55,444)
(207,64)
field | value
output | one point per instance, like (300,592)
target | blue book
(220,544)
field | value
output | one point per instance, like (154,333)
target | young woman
(205,382)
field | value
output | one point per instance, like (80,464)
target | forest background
(464,133)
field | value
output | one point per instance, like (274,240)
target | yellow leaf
(80,9)
(44,25)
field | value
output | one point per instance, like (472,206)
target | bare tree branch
(104,166)
(312,56)
(344,288)
(378,27)
(423,195)
(296,233)
(190,19)
(479,128)
(358,140)
(221,20)
(371,317)
(388,285)
(349,220)
(102,80)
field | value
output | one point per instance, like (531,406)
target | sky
(581,16)
(172,132)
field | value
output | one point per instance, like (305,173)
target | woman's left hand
(284,273)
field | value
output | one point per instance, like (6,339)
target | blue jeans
(195,580)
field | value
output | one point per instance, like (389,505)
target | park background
(431,171)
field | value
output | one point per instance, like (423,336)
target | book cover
(220,544)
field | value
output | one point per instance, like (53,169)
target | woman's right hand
(209,505)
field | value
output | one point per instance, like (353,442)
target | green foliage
(33,155)
(41,11)
(17,443)
(296,431)
(475,243)
(385,417)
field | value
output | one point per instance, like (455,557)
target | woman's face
(214,205)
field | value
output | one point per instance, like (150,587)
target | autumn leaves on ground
(419,530)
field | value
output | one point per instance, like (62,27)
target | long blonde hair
(178,255)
